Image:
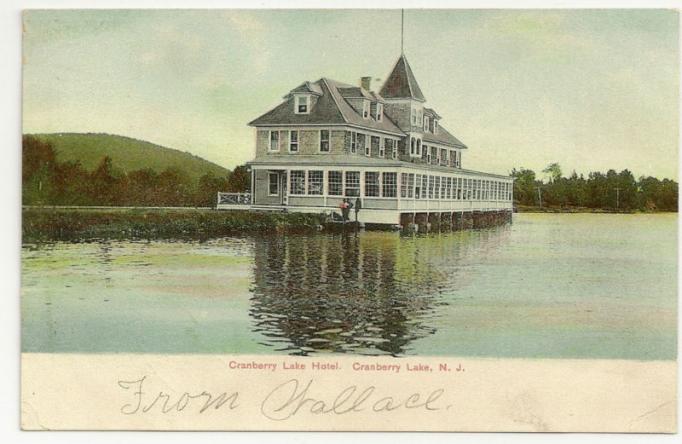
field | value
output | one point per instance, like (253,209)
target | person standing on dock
(345,210)
(358,206)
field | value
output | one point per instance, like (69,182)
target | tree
(524,186)
(143,188)
(554,171)
(38,165)
(71,184)
(175,188)
(208,188)
(105,184)
(239,180)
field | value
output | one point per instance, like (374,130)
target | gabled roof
(352,116)
(331,108)
(305,88)
(354,92)
(401,83)
(443,136)
(325,111)
(431,112)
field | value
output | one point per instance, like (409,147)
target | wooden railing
(234,198)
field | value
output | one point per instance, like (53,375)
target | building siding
(262,196)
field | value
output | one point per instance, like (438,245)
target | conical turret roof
(401,83)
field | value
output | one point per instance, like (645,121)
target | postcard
(350,220)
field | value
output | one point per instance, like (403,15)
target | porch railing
(234,198)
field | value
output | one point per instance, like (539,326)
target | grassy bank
(50,224)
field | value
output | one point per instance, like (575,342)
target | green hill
(126,153)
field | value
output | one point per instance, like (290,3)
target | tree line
(47,181)
(610,191)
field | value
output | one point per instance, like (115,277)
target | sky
(589,89)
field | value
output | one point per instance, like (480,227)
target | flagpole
(402,31)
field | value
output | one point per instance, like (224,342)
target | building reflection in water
(367,293)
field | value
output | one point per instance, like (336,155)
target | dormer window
(365,109)
(380,112)
(426,124)
(302,104)
(435,126)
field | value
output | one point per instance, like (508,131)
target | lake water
(556,285)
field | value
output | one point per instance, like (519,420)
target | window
(315,182)
(376,145)
(353,142)
(371,184)
(443,187)
(448,188)
(403,185)
(367,146)
(418,186)
(324,141)
(410,186)
(365,109)
(414,116)
(392,147)
(424,183)
(413,144)
(302,104)
(293,141)
(380,112)
(443,157)
(431,182)
(419,117)
(382,149)
(437,188)
(426,124)
(273,184)
(419,147)
(389,184)
(352,183)
(435,126)
(297,182)
(335,181)
(274,141)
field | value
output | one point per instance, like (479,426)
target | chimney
(365,83)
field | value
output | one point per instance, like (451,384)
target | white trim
(336,126)
(279,141)
(329,141)
(277,175)
(297,103)
(298,141)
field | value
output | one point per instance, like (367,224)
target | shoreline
(583,210)
(82,224)
(86,224)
